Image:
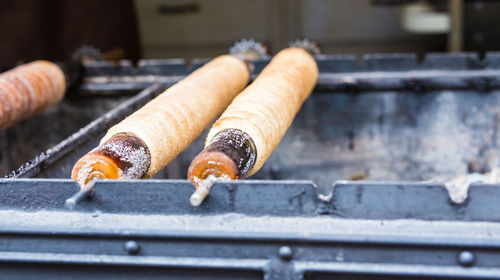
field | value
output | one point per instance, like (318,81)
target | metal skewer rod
(85,191)
(202,191)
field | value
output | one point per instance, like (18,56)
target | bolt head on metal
(285,253)
(466,258)
(132,247)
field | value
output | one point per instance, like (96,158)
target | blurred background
(34,29)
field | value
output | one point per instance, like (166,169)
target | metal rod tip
(202,191)
(199,195)
(70,203)
(85,191)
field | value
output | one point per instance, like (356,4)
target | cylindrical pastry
(29,89)
(243,138)
(122,156)
(146,141)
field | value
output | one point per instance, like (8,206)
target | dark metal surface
(166,197)
(199,255)
(338,73)
(424,201)
(245,229)
(289,198)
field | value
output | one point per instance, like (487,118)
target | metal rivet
(285,253)
(466,258)
(132,247)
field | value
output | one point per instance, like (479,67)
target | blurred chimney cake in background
(28,89)
(146,141)
(243,138)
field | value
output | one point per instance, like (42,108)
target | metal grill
(385,118)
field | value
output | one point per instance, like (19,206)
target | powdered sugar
(84,173)
(136,157)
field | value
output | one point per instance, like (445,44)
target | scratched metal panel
(288,198)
